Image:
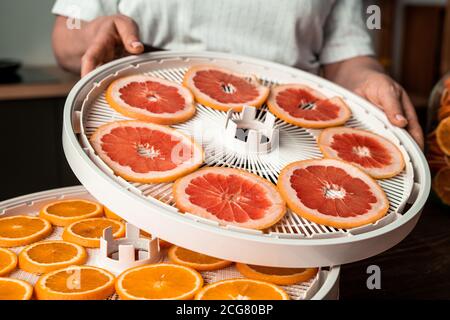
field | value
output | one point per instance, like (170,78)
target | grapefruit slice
(332,192)
(230,197)
(151,99)
(145,152)
(303,106)
(223,89)
(372,153)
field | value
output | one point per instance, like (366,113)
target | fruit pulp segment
(152,96)
(144,149)
(229,197)
(361,149)
(296,101)
(224,87)
(331,191)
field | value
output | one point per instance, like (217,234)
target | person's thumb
(129,34)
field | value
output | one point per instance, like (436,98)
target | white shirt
(299,33)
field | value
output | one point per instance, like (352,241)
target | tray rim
(71,143)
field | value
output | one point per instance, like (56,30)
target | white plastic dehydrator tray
(294,241)
(324,286)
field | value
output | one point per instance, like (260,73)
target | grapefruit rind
(152,176)
(117,103)
(208,101)
(398,163)
(183,203)
(345,112)
(289,194)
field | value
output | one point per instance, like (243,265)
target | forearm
(352,72)
(69,45)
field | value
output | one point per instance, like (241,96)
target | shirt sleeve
(345,34)
(85,9)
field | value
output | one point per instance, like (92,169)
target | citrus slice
(372,153)
(162,243)
(8,261)
(223,89)
(151,99)
(332,192)
(241,289)
(441,185)
(75,283)
(196,260)
(87,232)
(64,212)
(230,197)
(145,152)
(111,215)
(443,135)
(159,281)
(444,112)
(46,256)
(21,230)
(15,289)
(280,276)
(303,106)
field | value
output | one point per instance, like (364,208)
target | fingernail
(136,44)
(399,117)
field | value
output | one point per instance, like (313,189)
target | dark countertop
(416,268)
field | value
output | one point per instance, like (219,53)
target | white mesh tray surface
(321,286)
(294,241)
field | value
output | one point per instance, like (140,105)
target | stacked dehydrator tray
(292,242)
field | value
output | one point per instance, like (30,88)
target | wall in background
(25,31)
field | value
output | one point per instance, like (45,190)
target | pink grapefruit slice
(332,192)
(305,107)
(145,152)
(230,197)
(372,153)
(151,99)
(223,89)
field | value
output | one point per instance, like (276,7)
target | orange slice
(18,231)
(46,256)
(443,135)
(441,185)
(196,260)
(8,261)
(280,276)
(111,215)
(241,289)
(162,243)
(159,281)
(14,289)
(87,232)
(64,212)
(75,283)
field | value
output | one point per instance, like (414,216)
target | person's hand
(389,96)
(108,38)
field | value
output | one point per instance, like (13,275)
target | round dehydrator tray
(325,285)
(294,241)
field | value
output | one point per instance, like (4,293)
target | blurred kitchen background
(413,44)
